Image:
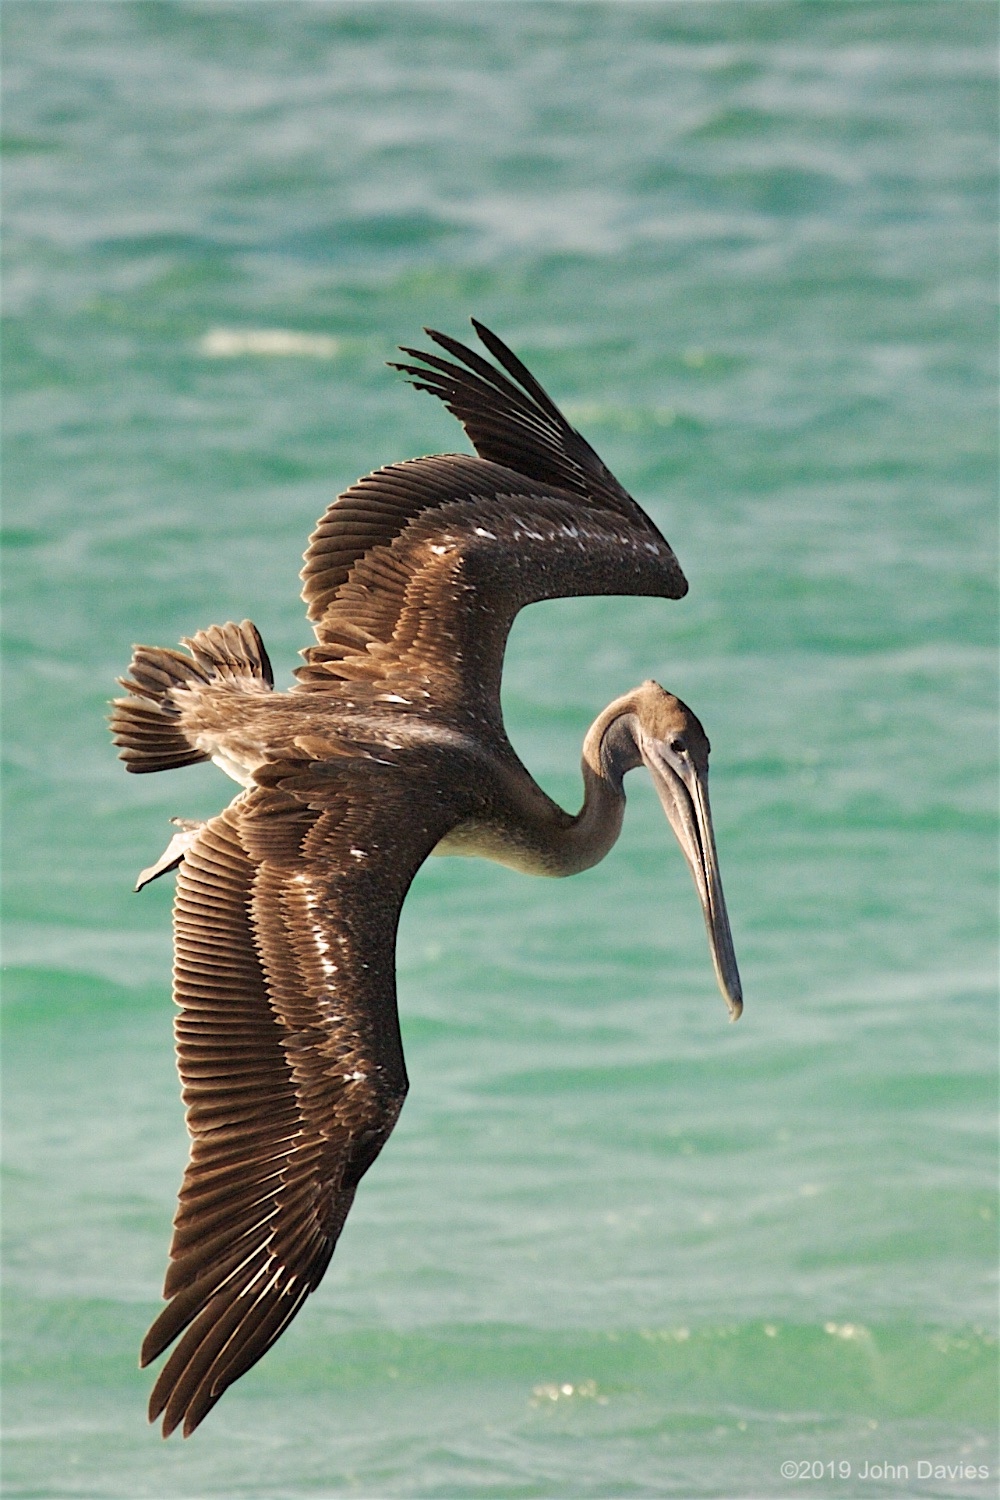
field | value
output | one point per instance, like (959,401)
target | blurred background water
(615,1246)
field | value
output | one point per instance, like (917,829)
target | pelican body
(390,747)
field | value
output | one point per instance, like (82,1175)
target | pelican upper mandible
(390,747)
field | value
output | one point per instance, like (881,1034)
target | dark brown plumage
(390,747)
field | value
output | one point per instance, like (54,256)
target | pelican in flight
(390,747)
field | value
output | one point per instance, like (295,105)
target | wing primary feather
(194,1356)
(535,392)
(459,390)
(259,1339)
(252,1347)
(514,367)
(188,1299)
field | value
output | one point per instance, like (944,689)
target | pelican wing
(290,1059)
(413,576)
(517,428)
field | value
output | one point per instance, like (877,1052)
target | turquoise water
(615,1246)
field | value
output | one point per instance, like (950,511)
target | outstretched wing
(414,575)
(290,1058)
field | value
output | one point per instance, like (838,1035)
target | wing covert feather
(427,615)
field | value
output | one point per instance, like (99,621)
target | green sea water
(615,1246)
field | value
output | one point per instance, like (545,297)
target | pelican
(389,748)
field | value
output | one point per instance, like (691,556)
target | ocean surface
(615,1247)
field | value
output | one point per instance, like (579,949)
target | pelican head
(651,727)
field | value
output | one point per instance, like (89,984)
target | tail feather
(231,653)
(146,726)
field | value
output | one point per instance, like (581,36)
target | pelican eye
(678,747)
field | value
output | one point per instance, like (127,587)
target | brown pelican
(390,747)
